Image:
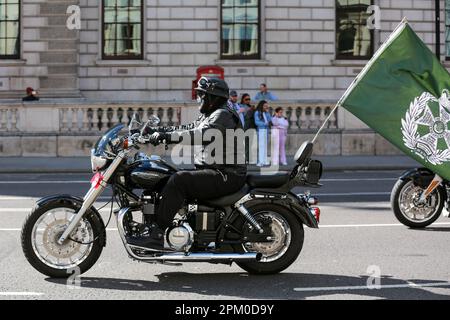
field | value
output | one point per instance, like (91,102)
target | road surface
(359,237)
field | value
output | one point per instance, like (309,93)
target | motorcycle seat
(226,200)
(267,181)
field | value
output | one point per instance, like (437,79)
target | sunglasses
(247,99)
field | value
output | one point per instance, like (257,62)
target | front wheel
(284,249)
(409,210)
(45,225)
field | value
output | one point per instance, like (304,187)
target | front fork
(436,182)
(91,196)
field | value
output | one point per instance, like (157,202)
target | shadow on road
(281,286)
(434,229)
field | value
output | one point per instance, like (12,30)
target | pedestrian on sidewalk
(251,140)
(233,100)
(262,122)
(31,95)
(279,130)
(244,106)
(249,120)
(234,104)
(264,94)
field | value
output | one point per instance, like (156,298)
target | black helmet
(213,86)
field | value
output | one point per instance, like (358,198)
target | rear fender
(291,202)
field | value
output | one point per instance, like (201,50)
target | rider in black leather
(215,176)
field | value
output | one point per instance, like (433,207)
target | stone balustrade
(71,128)
(9,118)
(309,117)
(92,118)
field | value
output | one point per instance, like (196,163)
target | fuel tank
(147,172)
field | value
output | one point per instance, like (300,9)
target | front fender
(421,177)
(77,201)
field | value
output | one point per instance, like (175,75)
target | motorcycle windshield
(103,144)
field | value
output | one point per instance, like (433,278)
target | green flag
(402,93)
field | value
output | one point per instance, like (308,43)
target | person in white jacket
(280,127)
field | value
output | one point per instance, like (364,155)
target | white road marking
(330,226)
(356,179)
(353,194)
(21,294)
(87,181)
(397,172)
(15,198)
(106,209)
(393,286)
(375,225)
(44,182)
(7,198)
(19,229)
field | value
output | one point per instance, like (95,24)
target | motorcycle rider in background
(210,179)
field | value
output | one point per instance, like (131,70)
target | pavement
(360,252)
(82,164)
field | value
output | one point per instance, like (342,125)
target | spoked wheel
(41,231)
(286,245)
(409,210)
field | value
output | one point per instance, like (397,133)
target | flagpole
(363,72)
(325,122)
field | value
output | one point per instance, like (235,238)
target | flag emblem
(426,133)
(403,94)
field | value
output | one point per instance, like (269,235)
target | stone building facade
(300,54)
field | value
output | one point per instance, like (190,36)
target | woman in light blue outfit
(262,121)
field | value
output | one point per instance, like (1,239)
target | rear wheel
(288,240)
(45,225)
(409,210)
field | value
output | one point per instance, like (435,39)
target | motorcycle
(260,227)
(418,197)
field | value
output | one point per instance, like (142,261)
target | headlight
(97,162)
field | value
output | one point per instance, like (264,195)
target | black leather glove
(157,138)
(149,130)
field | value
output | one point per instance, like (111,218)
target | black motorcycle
(419,196)
(260,227)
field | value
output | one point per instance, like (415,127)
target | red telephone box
(207,71)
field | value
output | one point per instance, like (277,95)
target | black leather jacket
(199,132)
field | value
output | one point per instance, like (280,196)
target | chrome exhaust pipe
(180,256)
(205,257)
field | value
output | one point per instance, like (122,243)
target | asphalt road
(359,237)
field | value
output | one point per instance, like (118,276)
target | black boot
(152,238)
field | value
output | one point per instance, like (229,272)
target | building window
(9,29)
(122,29)
(240,29)
(354,40)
